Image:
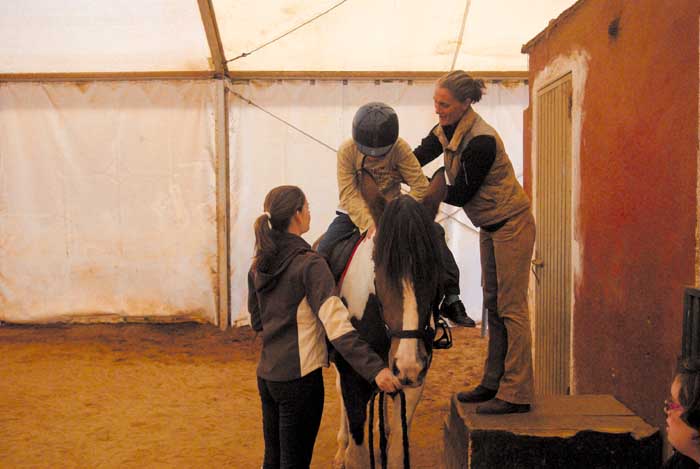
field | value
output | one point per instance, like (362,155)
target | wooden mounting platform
(582,431)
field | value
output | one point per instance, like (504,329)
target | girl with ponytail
(284,202)
(293,304)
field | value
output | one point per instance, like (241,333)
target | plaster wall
(697,208)
(635,138)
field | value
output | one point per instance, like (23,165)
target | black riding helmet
(375,129)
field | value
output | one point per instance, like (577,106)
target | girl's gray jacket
(292,301)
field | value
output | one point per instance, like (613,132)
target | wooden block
(582,431)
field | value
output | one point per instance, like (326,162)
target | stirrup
(444,341)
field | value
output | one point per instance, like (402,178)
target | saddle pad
(341,253)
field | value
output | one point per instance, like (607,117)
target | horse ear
(437,191)
(372,195)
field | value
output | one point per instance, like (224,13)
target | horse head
(407,268)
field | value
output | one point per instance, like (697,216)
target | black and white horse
(390,287)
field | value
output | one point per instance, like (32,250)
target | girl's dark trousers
(291,416)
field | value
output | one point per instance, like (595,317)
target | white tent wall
(108,189)
(107,200)
(265,152)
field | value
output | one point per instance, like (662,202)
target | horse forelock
(406,248)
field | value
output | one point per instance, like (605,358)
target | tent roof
(45,36)
(114,36)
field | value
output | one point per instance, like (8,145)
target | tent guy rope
(246,54)
(287,123)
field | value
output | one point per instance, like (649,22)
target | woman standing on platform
(483,183)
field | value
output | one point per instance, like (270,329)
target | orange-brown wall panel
(636,217)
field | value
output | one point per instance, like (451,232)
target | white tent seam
(461,34)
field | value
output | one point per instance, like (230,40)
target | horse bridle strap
(414,334)
(424,334)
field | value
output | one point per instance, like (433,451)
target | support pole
(222,207)
(211,28)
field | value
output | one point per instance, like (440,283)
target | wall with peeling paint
(635,200)
(697,209)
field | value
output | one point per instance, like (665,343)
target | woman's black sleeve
(476,162)
(429,149)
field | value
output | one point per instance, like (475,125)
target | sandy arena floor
(171,396)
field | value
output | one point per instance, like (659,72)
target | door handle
(536,264)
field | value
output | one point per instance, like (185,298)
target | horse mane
(405,246)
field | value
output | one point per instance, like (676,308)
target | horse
(390,289)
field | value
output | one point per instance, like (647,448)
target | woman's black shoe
(478,394)
(498,406)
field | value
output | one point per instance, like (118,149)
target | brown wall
(636,219)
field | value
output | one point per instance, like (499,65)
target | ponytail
(462,86)
(264,244)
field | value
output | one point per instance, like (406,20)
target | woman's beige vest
(500,196)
